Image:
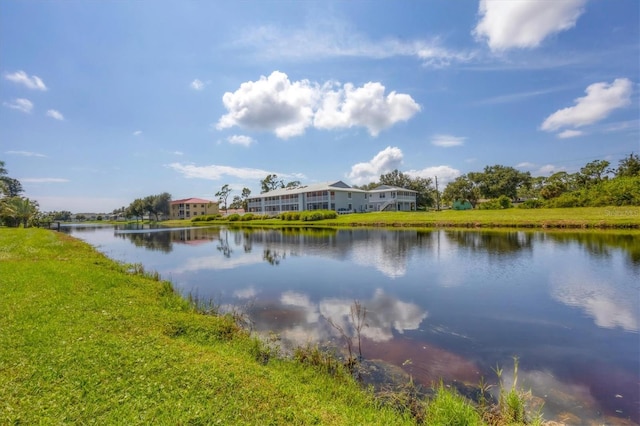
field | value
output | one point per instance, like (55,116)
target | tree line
(499,186)
(152,205)
(270,183)
(595,184)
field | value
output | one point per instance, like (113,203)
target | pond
(440,304)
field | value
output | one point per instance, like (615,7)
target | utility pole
(437,196)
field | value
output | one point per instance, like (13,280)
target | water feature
(447,304)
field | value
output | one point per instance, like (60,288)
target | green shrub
(503,202)
(568,199)
(247,217)
(531,204)
(233,217)
(489,205)
(313,215)
(206,218)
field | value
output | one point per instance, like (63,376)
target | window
(349,196)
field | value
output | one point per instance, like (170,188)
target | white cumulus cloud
(444,173)
(365,106)
(21,104)
(21,77)
(385,161)
(288,108)
(524,23)
(272,103)
(447,141)
(240,140)
(55,114)
(602,98)
(549,169)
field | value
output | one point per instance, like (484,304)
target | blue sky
(104,102)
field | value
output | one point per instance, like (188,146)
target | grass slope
(83,341)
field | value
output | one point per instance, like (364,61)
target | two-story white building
(336,196)
(391,198)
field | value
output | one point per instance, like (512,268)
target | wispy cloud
(55,114)
(44,180)
(240,140)
(137,133)
(197,84)
(25,153)
(447,141)
(20,77)
(515,97)
(569,133)
(525,165)
(20,104)
(336,38)
(216,172)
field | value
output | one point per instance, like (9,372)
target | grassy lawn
(580,217)
(84,341)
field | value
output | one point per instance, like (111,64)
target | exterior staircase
(385,206)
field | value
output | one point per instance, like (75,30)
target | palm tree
(20,210)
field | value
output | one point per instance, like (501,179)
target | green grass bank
(84,341)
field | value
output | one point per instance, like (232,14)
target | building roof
(382,188)
(324,186)
(192,201)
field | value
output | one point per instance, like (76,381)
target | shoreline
(577,218)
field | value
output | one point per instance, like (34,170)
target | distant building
(191,207)
(336,196)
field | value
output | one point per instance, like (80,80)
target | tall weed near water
(511,408)
(357,316)
(450,408)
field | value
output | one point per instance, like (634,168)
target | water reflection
(492,243)
(440,304)
(609,305)
(162,239)
(300,320)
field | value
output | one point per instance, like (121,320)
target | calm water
(440,304)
